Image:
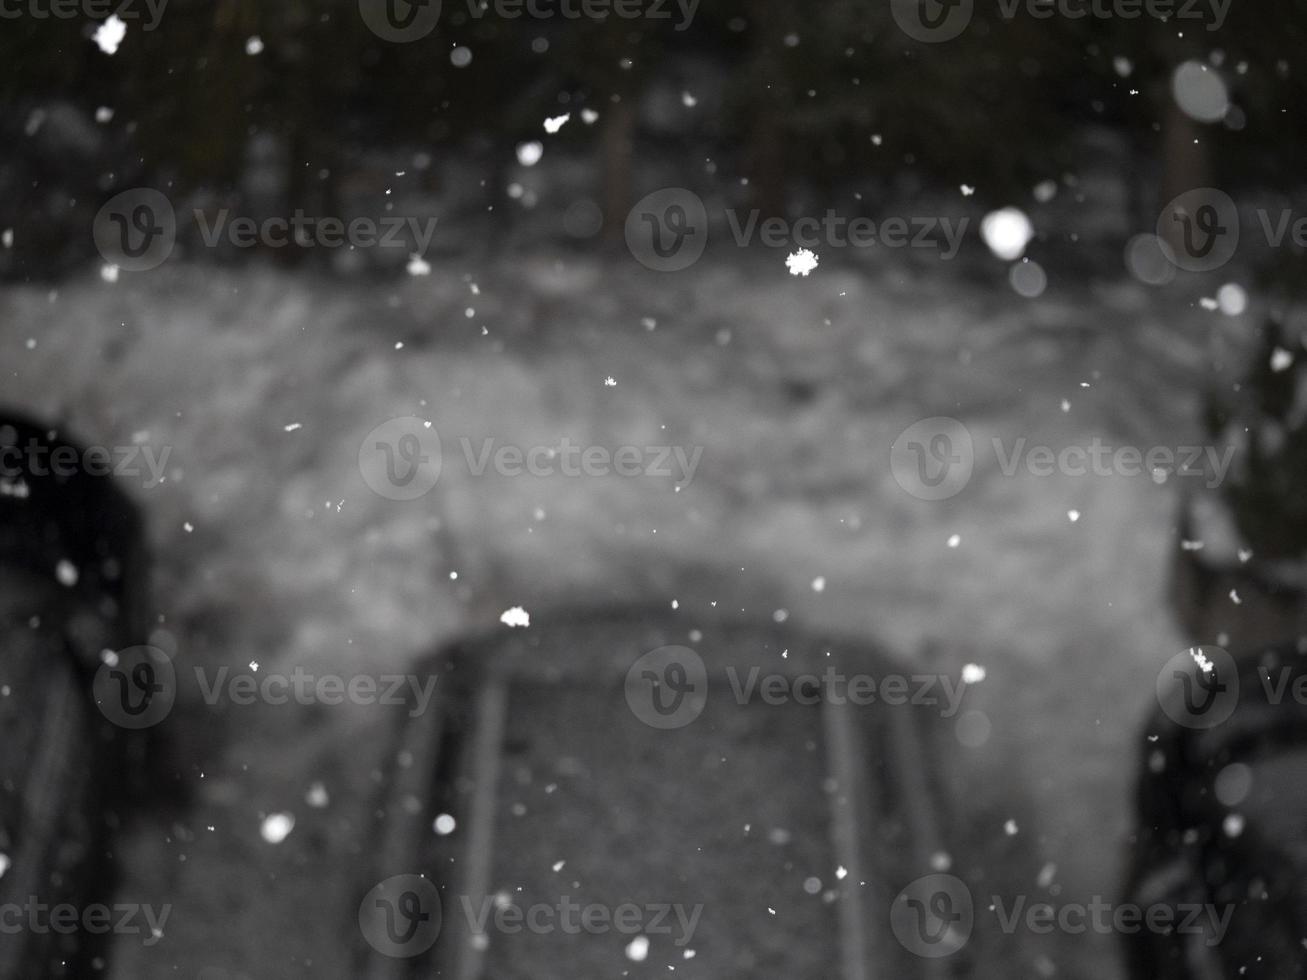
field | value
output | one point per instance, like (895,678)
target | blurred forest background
(796,108)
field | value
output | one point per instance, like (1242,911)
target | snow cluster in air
(517,616)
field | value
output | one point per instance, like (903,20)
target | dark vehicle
(71,579)
(1221,823)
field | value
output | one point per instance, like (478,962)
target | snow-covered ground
(272,549)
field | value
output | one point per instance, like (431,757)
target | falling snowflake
(529,154)
(277,827)
(610,382)
(801,262)
(110,34)
(1007,232)
(637,950)
(418,266)
(1280,360)
(254,45)
(554,124)
(517,616)
(973,674)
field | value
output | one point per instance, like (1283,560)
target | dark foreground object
(71,559)
(623,763)
(1222,822)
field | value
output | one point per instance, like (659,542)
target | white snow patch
(1007,232)
(637,950)
(529,154)
(801,262)
(277,827)
(110,34)
(517,616)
